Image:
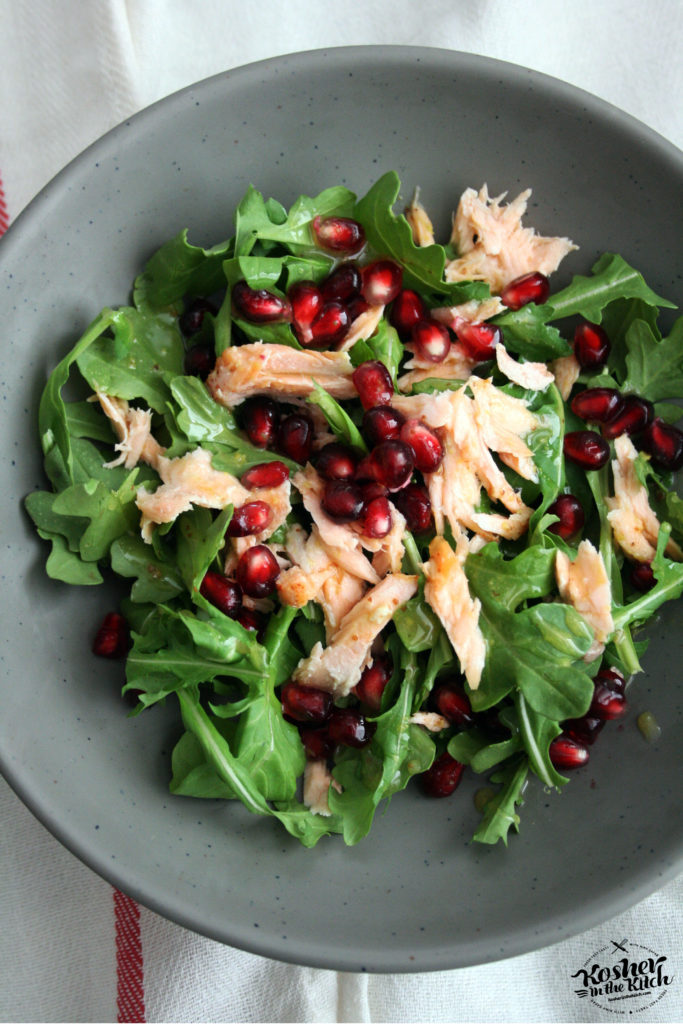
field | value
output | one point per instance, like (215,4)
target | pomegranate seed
(607,703)
(591,345)
(426,448)
(191,320)
(259,306)
(317,742)
(642,577)
(342,500)
(586,448)
(112,639)
(599,405)
(372,683)
(349,728)
(336,461)
(375,518)
(222,593)
(373,383)
(450,700)
(249,519)
(408,307)
(253,621)
(305,703)
(339,234)
(479,340)
(382,423)
(356,306)
(431,340)
(414,505)
(260,416)
(632,418)
(664,444)
(443,777)
(330,325)
(295,437)
(391,464)
(381,282)
(571,516)
(567,753)
(533,287)
(257,571)
(585,730)
(370,489)
(613,678)
(307,301)
(265,474)
(199,361)
(343,284)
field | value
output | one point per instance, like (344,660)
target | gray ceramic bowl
(416,895)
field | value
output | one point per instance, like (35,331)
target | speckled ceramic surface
(417,894)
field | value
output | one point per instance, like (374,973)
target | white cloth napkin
(68,72)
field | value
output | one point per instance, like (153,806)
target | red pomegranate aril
(250,518)
(426,447)
(259,306)
(586,449)
(373,383)
(607,703)
(613,678)
(382,423)
(317,742)
(591,345)
(305,703)
(371,489)
(392,463)
(342,285)
(431,340)
(664,444)
(375,519)
(295,437)
(479,340)
(222,593)
(450,700)
(330,325)
(252,620)
(191,320)
(566,752)
(349,728)
(339,234)
(257,571)
(199,360)
(598,405)
(381,282)
(642,577)
(342,500)
(307,301)
(112,639)
(336,461)
(571,517)
(632,418)
(443,777)
(355,306)
(414,505)
(372,683)
(585,730)
(265,474)
(260,416)
(408,307)
(533,287)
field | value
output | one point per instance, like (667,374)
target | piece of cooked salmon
(585,585)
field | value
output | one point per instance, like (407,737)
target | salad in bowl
(389,508)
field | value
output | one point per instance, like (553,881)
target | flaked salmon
(534,376)
(447,593)
(133,427)
(420,224)
(279,371)
(565,370)
(337,667)
(492,244)
(317,780)
(364,326)
(585,585)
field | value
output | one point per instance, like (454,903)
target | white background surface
(68,72)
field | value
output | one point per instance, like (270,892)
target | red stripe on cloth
(130,993)
(4,215)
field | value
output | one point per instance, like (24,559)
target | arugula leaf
(156,581)
(341,424)
(199,539)
(177,269)
(669,585)
(193,774)
(390,235)
(475,749)
(258,220)
(499,813)
(67,566)
(654,367)
(611,278)
(110,513)
(527,332)
(537,733)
